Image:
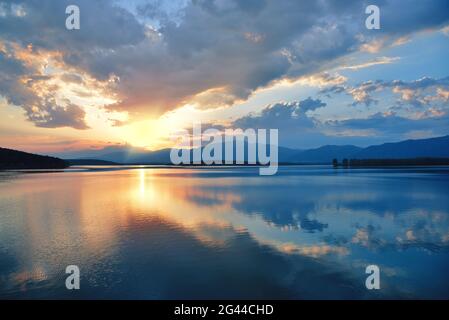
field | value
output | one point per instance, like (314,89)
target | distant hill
(90,162)
(422,148)
(13,159)
(130,155)
(325,154)
(408,149)
(121,155)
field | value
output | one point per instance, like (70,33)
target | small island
(13,159)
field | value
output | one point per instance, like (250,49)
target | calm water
(308,232)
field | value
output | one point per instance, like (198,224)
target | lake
(206,233)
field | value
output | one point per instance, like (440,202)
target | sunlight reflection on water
(191,233)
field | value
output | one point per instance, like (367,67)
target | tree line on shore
(13,159)
(345,163)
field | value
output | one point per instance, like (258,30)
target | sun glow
(151,134)
(162,132)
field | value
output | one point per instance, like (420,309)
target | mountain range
(422,148)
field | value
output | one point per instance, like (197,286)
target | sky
(137,72)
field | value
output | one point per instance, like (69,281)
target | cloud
(414,232)
(314,251)
(103,25)
(212,98)
(415,92)
(445,30)
(418,93)
(373,46)
(323,79)
(285,115)
(443,94)
(293,120)
(297,125)
(53,116)
(360,93)
(391,125)
(47,89)
(165,56)
(367,64)
(399,17)
(34,45)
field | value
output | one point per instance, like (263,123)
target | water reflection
(225,233)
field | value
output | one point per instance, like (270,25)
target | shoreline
(91,168)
